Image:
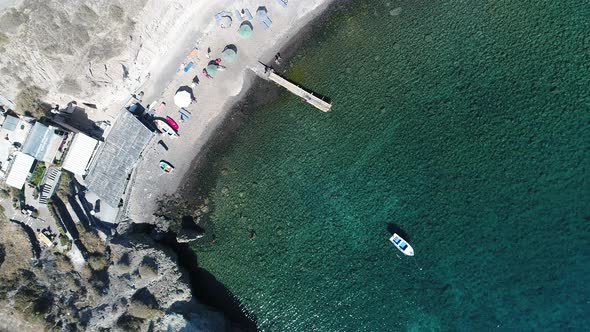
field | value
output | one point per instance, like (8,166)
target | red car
(172,123)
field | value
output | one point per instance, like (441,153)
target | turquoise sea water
(464,123)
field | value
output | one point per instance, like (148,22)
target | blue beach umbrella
(212,69)
(229,55)
(245,30)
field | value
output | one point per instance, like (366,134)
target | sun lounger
(248,14)
(193,54)
(239,16)
(184,114)
(263,19)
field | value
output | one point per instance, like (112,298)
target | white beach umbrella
(182,98)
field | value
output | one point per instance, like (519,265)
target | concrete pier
(297,90)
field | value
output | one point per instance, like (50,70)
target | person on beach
(208,52)
(217,61)
(206,73)
(138,96)
(55,109)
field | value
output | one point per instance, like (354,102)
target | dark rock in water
(189,230)
(185,237)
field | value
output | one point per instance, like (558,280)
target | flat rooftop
(10,134)
(114,161)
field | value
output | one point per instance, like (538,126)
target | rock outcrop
(139,285)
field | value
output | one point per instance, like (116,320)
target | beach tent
(212,69)
(182,98)
(245,30)
(229,54)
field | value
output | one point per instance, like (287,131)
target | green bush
(63,190)
(64,240)
(38,174)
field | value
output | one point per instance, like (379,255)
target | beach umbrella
(245,30)
(212,69)
(229,55)
(182,98)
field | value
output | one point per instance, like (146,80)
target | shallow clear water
(464,123)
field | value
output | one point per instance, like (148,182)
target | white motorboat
(402,245)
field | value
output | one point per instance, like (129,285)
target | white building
(13,133)
(79,154)
(21,167)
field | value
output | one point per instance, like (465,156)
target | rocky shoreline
(141,278)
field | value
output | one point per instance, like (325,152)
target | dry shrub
(4,39)
(63,263)
(143,304)
(129,323)
(28,100)
(92,242)
(148,269)
(97,262)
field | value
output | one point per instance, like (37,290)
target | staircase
(50,181)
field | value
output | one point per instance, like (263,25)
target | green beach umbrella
(229,55)
(212,69)
(245,30)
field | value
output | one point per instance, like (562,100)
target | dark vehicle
(162,146)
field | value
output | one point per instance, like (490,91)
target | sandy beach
(215,97)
